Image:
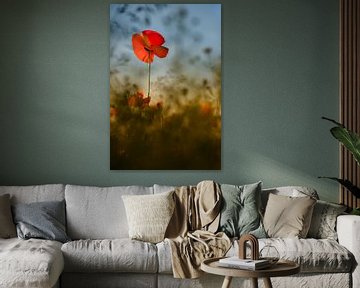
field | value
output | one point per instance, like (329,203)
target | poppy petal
(160,51)
(154,38)
(140,50)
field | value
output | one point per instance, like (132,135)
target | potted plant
(351,141)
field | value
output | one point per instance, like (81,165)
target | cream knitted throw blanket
(191,231)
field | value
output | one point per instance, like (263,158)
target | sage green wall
(280,75)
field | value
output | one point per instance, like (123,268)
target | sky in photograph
(186,37)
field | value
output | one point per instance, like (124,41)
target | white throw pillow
(149,215)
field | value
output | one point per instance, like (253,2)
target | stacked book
(248,264)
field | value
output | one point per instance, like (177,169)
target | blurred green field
(178,129)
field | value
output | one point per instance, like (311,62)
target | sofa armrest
(348,230)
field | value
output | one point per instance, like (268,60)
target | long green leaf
(348,138)
(333,121)
(347,184)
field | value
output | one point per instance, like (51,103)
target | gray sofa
(101,254)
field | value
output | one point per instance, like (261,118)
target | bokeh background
(180,127)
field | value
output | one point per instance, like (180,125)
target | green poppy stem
(149,71)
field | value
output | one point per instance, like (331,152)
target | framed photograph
(165,86)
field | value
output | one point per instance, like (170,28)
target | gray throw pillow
(7,227)
(240,213)
(323,222)
(44,220)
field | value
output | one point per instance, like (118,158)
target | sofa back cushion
(98,212)
(163,188)
(7,227)
(36,193)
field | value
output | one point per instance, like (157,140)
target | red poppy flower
(113,113)
(147,44)
(138,100)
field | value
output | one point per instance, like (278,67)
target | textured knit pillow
(323,222)
(43,220)
(7,226)
(288,217)
(240,210)
(149,215)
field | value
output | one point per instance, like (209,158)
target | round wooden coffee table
(281,268)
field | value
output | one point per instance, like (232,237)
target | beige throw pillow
(149,215)
(288,217)
(7,226)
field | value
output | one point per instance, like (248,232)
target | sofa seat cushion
(164,257)
(313,255)
(115,255)
(30,263)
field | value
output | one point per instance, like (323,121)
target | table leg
(254,282)
(267,283)
(227,282)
